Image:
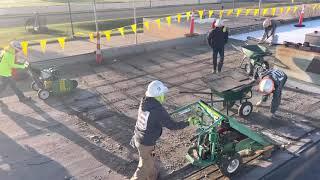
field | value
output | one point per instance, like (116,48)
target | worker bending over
(273,82)
(217,39)
(152,116)
(7,64)
(270,27)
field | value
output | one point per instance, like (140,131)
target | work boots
(275,116)
(220,64)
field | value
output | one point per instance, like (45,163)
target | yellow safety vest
(8,62)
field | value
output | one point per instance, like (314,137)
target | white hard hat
(266,23)
(156,88)
(219,23)
(266,86)
(15,44)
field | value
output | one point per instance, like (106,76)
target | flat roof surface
(86,134)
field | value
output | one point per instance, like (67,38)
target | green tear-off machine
(220,139)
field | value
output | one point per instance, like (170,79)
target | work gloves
(26,64)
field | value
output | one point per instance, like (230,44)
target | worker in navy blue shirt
(217,39)
(272,82)
(152,116)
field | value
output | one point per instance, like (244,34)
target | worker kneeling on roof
(217,39)
(269,27)
(152,116)
(272,82)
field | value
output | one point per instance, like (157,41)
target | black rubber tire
(245,109)
(74,84)
(34,86)
(264,67)
(226,162)
(43,94)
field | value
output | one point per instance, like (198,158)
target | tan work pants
(146,169)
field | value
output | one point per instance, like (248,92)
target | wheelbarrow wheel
(230,165)
(249,68)
(245,109)
(34,86)
(265,65)
(261,69)
(43,94)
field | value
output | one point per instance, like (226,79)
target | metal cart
(255,55)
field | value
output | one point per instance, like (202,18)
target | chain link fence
(34,20)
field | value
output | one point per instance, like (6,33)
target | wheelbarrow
(234,88)
(256,63)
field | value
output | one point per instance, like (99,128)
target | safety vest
(7,62)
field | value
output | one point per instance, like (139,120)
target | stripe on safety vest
(62,86)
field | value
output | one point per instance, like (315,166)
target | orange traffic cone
(191,33)
(301,18)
